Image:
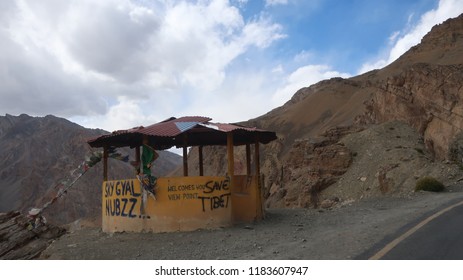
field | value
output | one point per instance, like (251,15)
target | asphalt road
(438,237)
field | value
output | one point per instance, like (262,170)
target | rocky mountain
(339,140)
(408,117)
(38,152)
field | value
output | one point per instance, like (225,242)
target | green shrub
(429,184)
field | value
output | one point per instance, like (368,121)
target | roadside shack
(189,202)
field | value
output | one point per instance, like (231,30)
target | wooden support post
(248,159)
(259,204)
(231,170)
(257,157)
(185,161)
(105,163)
(185,157)
(231,159)
(201,167)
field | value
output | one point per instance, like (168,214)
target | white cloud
(275,2)
(393,37)
(92,60)
(278,69)
(116,64)
(303,77)
(303,56)
(241,3)
(402,43)
(243,96)
(125,114)
(261,33)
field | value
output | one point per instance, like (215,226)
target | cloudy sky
(115,64)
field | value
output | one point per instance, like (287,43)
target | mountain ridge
(422,90)
(39,152)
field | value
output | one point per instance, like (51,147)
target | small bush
(429,184)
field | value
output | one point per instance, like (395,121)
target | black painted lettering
(134,202)
(212,186)
(202,201)
(109,189)
(173,196)
(124,187)
(117,207)
(124,204)
(108,207)
(135,194)
(227,195)
(209,187)
(215,202)
(190,196)
(118,188)
(112,208)
(225,185)
(106,190)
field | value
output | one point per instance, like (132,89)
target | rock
(23,238)
(327,203)
(426,102)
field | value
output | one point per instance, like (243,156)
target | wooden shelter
(184,203)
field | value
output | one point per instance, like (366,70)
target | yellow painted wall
(246,199)
(181,204)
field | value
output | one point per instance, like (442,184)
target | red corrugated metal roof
(190,131)
(227,127)
(172,127)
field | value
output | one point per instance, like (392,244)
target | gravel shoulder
(348,231)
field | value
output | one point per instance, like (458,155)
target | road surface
(439,236)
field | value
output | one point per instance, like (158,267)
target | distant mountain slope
(428,75)
(423,89)
(38,152)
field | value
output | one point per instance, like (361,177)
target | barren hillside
(39,152)
(318,128)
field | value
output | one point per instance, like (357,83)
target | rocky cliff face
(423,90)
(428,97)
(39,152)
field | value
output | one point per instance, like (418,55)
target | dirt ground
(348,231)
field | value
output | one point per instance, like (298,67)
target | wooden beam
(248,159)
(259,205)
(257,157)
(185,157)
(185,161)
(105,163)
(201,167)
(230,156)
